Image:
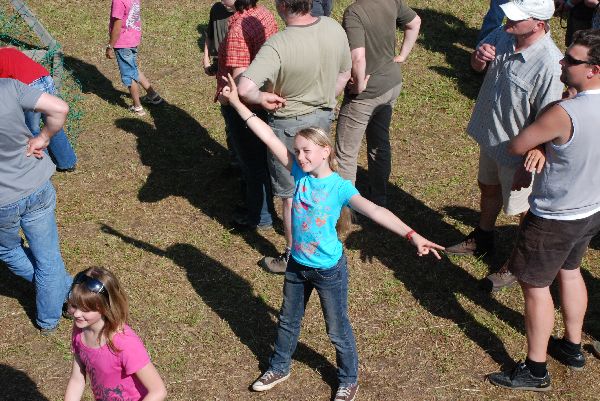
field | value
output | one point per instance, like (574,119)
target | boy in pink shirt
(125,34)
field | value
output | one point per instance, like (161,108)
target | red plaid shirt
(248,30)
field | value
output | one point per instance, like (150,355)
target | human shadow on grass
(232,298)
(15,287)
(93,81)
(436,285)
(186,161)
(446,34)
(17,386)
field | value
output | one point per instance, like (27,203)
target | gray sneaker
(276,265)
(502,279)
(346,392)
(268,380)
(596,348)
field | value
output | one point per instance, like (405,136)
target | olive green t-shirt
(301,64)
(372,24)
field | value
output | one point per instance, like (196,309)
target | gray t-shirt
(20,175)
(302,64)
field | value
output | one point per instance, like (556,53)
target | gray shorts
(282,181)
(492,173)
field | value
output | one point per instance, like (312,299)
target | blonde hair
(319,137)
(112,305)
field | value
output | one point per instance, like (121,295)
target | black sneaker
(477,243)
(558,351)
(520,378)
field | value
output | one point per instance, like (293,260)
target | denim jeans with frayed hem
(492,20)
(60,148)
(332,287)
(41,262)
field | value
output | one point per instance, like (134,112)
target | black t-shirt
(218,24)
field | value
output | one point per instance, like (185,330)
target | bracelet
(246,120)
(109,46)
(409,234)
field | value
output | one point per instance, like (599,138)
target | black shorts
(545,246)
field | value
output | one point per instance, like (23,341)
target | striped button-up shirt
(517,86)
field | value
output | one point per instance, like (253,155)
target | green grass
(151,200)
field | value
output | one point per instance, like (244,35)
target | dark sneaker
(520,378)
(48,332)
(156,99)
(501,279)
(268,380)
(477,243)
(241,223)
(346,392)
(558,351)
(276,265)
(66,170)
(596,348)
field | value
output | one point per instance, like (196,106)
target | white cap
(518,10)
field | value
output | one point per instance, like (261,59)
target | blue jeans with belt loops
(40,262)
(332,286)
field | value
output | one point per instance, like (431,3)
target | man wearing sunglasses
(28,199)
(523,76)
(564,215)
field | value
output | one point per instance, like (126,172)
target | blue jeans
(60,148)
(40,263)
(332,287)
(127,62)
(321,7)
(492,20)
(251,153)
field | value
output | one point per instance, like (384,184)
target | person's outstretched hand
(424,246)
(229,93)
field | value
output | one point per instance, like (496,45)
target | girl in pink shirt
(104,347)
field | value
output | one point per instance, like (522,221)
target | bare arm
(359,79)
(553,125)
(56,111)
(114,36)
(237,71)
(149,377)
(250,94)
(229,94)
(206,61)
(76,383)
(341,82)
(387,219)
(411,33)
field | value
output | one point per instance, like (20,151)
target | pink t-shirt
(127,11)
(112,374)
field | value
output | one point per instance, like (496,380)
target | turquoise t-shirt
(316,208)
